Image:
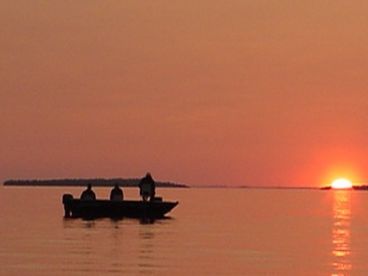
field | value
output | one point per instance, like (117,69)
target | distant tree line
(101,182)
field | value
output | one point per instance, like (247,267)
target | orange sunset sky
(199,92)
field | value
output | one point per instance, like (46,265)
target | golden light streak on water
(341,233)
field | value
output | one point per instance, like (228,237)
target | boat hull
(89,209)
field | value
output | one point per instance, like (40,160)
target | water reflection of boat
(76,208)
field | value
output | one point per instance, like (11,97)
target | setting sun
(341,183)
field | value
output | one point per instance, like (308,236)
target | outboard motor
(67,199)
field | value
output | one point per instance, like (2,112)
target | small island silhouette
(96,182)
(355,187)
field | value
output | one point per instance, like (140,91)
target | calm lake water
(210,232)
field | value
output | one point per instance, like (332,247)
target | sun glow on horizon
(341,183)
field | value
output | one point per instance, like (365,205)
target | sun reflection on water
(341,235)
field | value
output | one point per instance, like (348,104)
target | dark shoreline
(133,182)
(96,182)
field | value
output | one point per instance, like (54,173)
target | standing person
(88,194)
(147,187)
(116,193)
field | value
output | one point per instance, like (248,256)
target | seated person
(116,193)
(88,194)
(147,187)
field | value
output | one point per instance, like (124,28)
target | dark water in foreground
(211,232)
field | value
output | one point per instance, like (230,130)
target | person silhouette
(116,193)
(147,187)
(88,194)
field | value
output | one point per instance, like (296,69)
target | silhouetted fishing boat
(77,208)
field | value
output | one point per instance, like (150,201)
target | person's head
(148,174)
(89,186)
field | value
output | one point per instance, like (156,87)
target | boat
(100,208)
